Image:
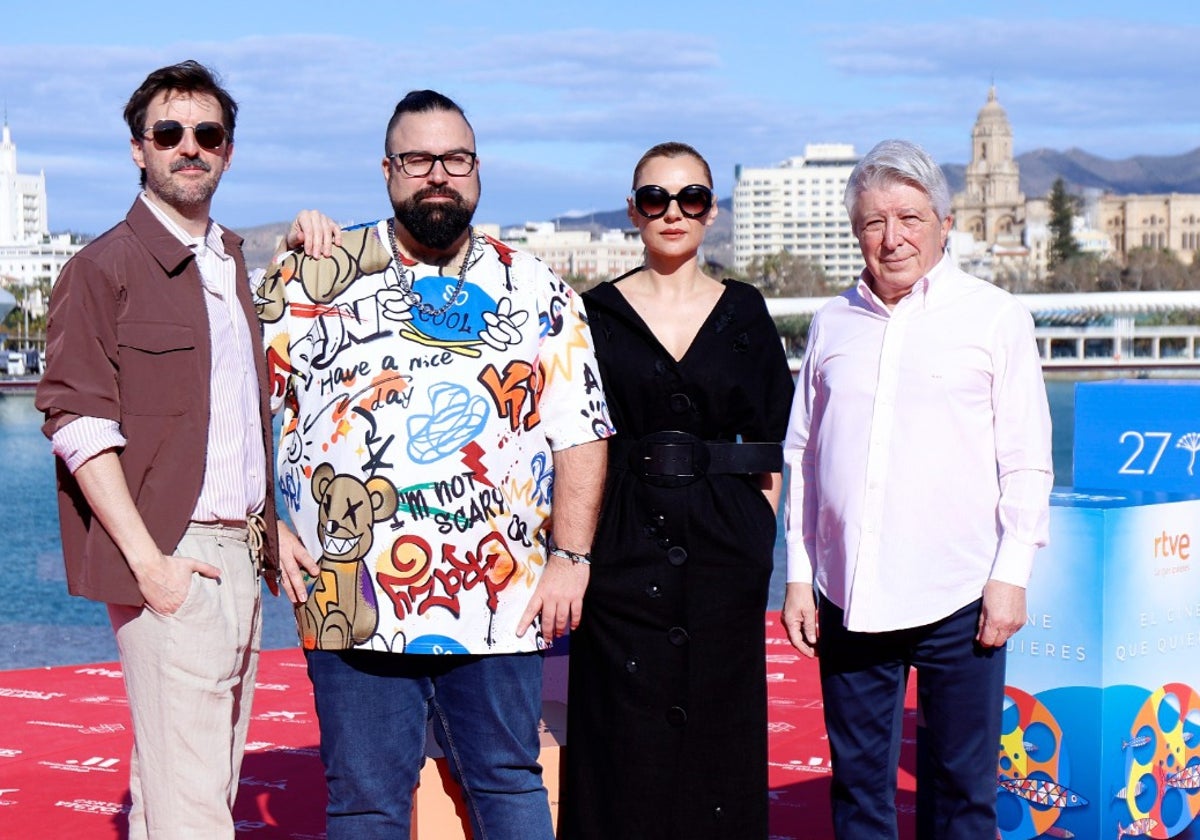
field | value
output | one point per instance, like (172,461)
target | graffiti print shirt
(416,450)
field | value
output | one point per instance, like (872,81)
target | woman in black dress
(667,709)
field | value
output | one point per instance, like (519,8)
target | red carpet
(65,742)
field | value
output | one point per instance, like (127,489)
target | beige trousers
(190,681)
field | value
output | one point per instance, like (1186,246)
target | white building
(29,254)
(37,262)
(23,216)
(576,253)
(797,207)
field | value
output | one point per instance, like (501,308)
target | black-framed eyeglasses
(167,134)
(652,201)
(420,164)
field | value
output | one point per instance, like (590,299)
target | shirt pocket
(159,367)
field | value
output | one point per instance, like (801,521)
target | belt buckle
(684,456)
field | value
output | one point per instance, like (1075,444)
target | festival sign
(1139,434)
(1101,727)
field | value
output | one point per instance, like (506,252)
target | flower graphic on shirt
(454,419)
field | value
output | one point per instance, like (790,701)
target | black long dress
(667,730)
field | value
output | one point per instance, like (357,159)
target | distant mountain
(601,221)
(1079,169)
(260,242)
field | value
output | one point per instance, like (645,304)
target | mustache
(190,163)
(429,192)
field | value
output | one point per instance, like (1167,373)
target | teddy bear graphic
(360,253)
(341,610)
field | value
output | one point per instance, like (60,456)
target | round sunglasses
(167,134)
(652,201)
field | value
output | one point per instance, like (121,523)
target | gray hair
(899,161)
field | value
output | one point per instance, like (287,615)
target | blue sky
(565,96)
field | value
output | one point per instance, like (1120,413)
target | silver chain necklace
(423,307)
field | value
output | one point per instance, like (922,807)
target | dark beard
(435,226)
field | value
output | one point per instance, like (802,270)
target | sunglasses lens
(694,200)
(651,201)
(167,133)
(210,135)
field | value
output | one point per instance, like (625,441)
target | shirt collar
(212,234)
(919,295)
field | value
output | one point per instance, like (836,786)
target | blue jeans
(960,694)
(373,709)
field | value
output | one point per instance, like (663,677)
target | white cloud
(562,114)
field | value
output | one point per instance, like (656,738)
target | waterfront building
(30,256)
(23,214)
(36,263)
(578,254)
(1169,222)
(796,206)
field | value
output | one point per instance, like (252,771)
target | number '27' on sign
(1147,450)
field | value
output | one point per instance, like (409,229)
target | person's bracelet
(575,557)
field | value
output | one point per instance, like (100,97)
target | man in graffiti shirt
(440,392)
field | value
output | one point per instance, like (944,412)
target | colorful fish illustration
(1137,828)
(1136,789)
(1186,779)
(1043,792)
(1056,831)
(1139,741)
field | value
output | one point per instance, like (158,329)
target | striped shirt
(235,463)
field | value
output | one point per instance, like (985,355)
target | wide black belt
(675,459)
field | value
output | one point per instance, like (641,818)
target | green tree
(1062,216)
(793,329)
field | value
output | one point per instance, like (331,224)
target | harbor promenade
(1098,331)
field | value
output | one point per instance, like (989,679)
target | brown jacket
(128,340)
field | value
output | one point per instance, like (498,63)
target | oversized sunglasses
(652,201)
(167,134)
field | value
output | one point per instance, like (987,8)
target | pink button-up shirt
(919,447)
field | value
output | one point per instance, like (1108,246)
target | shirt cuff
(799,564)
(1014,563)
(84,438)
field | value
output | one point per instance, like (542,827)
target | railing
(1119,345)
(1074,344)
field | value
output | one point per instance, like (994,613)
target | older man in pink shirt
(919,447)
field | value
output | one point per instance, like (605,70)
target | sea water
(40,624)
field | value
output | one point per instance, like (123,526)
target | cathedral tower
(992,207)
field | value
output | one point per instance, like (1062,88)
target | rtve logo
(1173,546)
